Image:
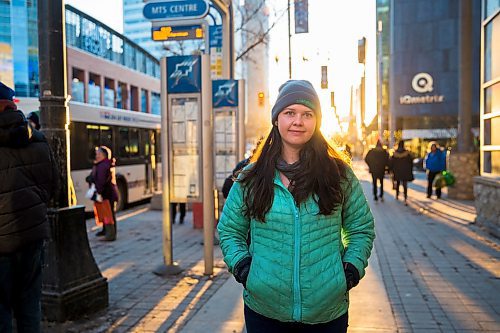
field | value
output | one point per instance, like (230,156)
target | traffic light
(260,97)
(324,77)
(332,99)
(361,50)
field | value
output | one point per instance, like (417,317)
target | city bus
(133,137)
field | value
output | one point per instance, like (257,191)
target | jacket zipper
(297,310)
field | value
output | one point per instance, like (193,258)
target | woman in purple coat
(103,176)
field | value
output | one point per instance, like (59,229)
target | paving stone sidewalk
(441,273)
(140,301)
(432,270)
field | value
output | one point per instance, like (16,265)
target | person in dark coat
(34,120)
(401,165)
(229,181)
(377,159)
(28,179)
(173,211)
(103,176)
(435,163)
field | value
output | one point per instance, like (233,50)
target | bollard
(72,284)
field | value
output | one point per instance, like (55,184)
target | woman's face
(296,124)
(99,155)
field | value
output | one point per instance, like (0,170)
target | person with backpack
(434,163)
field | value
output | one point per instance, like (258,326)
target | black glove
(351,275)
(241,271)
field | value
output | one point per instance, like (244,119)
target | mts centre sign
(175,10)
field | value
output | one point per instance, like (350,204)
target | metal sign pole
(208,170)
(240,120)
(168,267)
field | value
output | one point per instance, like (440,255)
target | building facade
(420,57)
(383,31)
(138,29)
(19,46)
(103,67)
(106,68)
(487,185)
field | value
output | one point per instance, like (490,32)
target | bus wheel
(122,196)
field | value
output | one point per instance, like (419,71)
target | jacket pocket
(249,277)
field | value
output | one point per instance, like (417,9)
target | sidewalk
(430,271)
(441,274)
(140,301)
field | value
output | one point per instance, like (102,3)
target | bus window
(107,137)
(134,142)
(145,143)
(158,146)
(123,147)
(92,140)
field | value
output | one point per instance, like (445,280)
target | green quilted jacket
(296,273)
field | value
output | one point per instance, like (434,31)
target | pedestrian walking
(28,179)
(435,163)
(401,166)
(311,226)
(106,193)
(173,211)
(377,160)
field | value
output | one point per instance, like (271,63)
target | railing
(87,34)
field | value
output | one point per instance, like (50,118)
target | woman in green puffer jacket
(310,226)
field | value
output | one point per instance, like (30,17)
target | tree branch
(260,39)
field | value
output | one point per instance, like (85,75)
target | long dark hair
(322,170)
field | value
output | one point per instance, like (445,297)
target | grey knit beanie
(297,92)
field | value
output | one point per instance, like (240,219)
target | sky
(334,30)
(110,12)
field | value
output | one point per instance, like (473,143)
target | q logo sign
(422,83)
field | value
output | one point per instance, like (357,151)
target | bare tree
(254,25)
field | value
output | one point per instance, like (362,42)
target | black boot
(101,232)
(110,234)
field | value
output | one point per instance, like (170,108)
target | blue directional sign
(224,93)
(184,74)
(175,10)
(215,35)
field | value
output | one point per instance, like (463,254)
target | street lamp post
(289,44)
(380,80)
(67,292)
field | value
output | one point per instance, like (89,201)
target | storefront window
(144,101)
(491,103)
(94,94)
(492,50)
(77,91)
(155,103)
(109,97)
(492,99)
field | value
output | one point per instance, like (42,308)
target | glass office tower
(19,46)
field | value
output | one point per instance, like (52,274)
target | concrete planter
(487,199)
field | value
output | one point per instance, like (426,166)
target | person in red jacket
(103,176)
